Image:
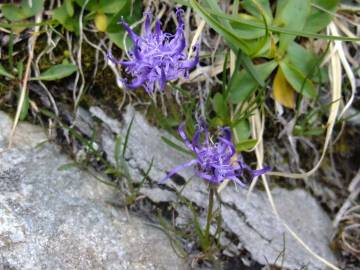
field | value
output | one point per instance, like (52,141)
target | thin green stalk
(209,215)
(11,50)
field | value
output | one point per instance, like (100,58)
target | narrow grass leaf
(68,166)
(117,150)
(222,28)
(171,233)
(146,173)
(276,29)
(250,68)
(176,146)
(127,137)
(25,107)
(4,72)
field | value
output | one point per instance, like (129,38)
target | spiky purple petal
(215,161)
(161,54)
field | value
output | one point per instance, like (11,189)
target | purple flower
(215,161)
(156,57)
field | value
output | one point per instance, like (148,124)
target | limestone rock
(59,219)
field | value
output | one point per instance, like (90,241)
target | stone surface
(257,228)
(266,237)
(59,219)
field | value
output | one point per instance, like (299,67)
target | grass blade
(127,137)
(271,28)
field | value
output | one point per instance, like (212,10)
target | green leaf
(245,145)
(247,32)
(301,58)
(118,38)
(291,14)
(111,6)
(259,8)
(242,130)
(306,61)
(220,106)
(308,131)
(104,6)
(130,11)
(3,72)
(15,12)
(56,72)
(69,7)
(36,7)
(320,15)
(242,84)
(70,23)
(297,79)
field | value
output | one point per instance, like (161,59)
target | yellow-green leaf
(283,91)
(101,22)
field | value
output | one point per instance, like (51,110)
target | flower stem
(209,216)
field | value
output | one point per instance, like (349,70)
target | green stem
(10,50)
(209,215)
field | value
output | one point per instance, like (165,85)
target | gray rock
(111,123)
(266,237)
(257,228)
(84,122)
(59,219)
(158,195)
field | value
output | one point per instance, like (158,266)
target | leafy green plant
(105,15)
(266,43)
(17,12)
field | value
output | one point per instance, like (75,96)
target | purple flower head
(156,57)
(215,160)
